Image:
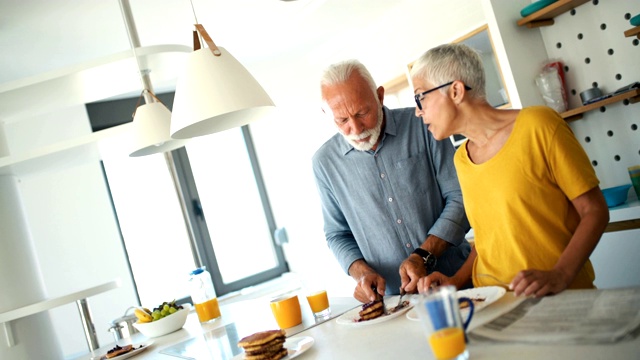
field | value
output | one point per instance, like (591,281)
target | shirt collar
(389,128)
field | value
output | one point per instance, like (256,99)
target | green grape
(165,309)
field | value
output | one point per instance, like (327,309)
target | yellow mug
(287,311)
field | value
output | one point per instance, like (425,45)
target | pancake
(271,346)
(118,350)
(264,345)
(374,307)
(372,310)
(261,338)
(475,301)
(271,356)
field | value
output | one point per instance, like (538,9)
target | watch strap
(428,258)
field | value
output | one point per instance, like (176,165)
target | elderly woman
(529,190)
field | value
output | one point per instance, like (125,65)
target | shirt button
(408,245)
(399,221)
(390,199)
(382,175)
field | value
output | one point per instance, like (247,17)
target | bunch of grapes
(165,309)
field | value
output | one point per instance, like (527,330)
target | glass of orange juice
(439,313)
(319,304)
(208,310)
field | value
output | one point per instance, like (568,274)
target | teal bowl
(535,6)
(616,195)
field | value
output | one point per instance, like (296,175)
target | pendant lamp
(215,93)
(151,121)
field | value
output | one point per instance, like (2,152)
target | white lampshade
(151,130)
(215,93)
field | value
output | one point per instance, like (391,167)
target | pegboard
(590,42)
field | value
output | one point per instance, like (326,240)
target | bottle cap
(197,271)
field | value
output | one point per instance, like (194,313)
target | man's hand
(367,280)
(365,292)
(411,270)
(538,283)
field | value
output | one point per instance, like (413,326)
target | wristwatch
(428,258)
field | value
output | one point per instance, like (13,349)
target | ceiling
(51,41)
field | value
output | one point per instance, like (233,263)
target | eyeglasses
(419,97)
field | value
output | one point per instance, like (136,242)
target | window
(236,239)
(173,219)
(153,230)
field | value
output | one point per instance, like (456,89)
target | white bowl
(166,325)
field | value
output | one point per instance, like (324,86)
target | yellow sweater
(519,201)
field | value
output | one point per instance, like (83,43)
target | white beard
(373,134)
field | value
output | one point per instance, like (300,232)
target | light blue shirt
(380,205)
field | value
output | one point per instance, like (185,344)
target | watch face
(430,262)
(428,258)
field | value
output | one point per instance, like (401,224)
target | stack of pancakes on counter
(373,309)
(264,345)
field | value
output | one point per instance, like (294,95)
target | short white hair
(451,62)
(340,72)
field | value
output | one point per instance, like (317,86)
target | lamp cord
(195,33)
(194,12)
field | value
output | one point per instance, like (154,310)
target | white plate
(351,317)
(295,346)
(138,349)
(490,294)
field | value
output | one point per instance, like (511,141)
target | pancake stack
(373,309)
(264,345)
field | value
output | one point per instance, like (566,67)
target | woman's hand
(538,283)
(434,279)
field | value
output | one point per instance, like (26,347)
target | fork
(399,306)
(500,282)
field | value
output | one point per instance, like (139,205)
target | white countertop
(221,336)
(398,338)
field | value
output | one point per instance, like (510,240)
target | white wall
(73,228)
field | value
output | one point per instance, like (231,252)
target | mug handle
(470,302)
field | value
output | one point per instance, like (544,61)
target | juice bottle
(203,295)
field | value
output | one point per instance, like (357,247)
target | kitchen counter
(396,338)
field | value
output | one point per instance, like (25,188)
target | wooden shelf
(633,96)
(544,17)
(633,32)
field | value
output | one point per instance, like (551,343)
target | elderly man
(391,200)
